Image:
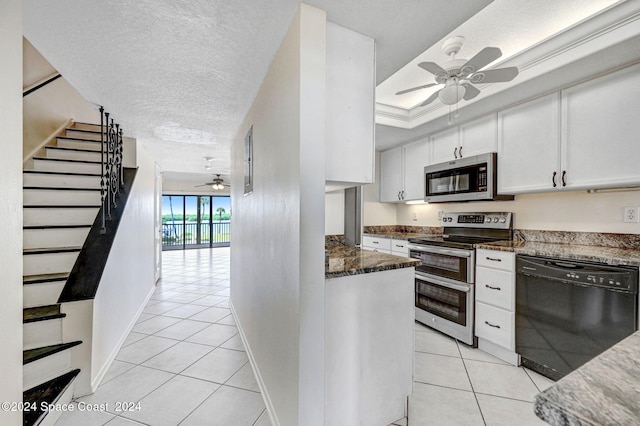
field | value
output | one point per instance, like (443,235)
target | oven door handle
(437,250)
(463,288)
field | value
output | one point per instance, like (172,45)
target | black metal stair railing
(112,174)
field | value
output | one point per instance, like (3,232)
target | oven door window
(442,265)
(445,302)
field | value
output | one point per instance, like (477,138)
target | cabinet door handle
(491,325)
(492,288)
(553,179)
(460,152)
(402,192)
(564,175)
(493,259)
(398,195)
(455,152)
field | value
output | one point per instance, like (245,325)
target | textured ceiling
(180,76)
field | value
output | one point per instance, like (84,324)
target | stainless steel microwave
(466,179)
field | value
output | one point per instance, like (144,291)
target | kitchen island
(369,326)
(604,391)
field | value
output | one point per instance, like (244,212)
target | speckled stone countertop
(604,391)
(402,232)
(608,255)
(346,260)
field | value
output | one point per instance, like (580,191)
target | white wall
(334,213)
(11,207)
(277,247)
(128,279)
(46,109)
(561,211)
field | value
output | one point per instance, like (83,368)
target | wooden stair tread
(31,355)
(62,148)
(74,138)
(65,160)
(43,395)
(44,278)
(50,250)
(70,226)
(62,206)
(60,188)
(41,313)
(44,172)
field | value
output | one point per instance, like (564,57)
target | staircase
(61,201)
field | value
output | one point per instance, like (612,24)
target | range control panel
(497,220)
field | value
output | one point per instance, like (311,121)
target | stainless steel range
(445,291)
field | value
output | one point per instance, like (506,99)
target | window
(195,221)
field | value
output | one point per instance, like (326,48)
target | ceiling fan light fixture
(452,93)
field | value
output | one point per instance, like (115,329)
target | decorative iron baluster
(112,175)
(103,192)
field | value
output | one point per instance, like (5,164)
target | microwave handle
(437,250)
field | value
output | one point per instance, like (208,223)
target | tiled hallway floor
(185,363)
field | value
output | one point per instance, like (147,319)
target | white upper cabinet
(350,100)
(391,175)
(415,158)
(529,146)
(479,136)
(466,140)
(585,137)
(601,131)
(445,145)
(402,172)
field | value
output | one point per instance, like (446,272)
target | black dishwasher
(568,312)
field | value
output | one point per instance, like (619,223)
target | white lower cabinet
(495,304)
(385,245)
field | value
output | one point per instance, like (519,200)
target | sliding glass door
(195,221)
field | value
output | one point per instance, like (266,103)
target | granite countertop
(346,260)
(398,235)
(604,391)
(590,253)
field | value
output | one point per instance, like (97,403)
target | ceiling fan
(458,75)
(217,184)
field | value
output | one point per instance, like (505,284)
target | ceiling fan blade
(433,68)
(204,184)
(499,75)
(481,59)
(470,92)
(430,99)
(402,92)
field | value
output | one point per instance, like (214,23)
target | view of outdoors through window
(195,221)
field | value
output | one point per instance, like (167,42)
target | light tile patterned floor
(185,363)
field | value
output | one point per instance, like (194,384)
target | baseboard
(263,389)
(499,352)
(112,356)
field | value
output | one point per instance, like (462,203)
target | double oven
(444,282)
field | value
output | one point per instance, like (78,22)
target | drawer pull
(375,242)
(398,245)
(491,325)
(492,288)
(493,259)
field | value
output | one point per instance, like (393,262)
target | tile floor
(185,364)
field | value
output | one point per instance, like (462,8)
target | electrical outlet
(414,216)
(631,214)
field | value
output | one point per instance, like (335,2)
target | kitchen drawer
(382,244)
(400,248)
(495,287)
(496,259)
(496,325)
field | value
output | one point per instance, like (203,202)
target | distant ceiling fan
(217,184)
(457,75)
